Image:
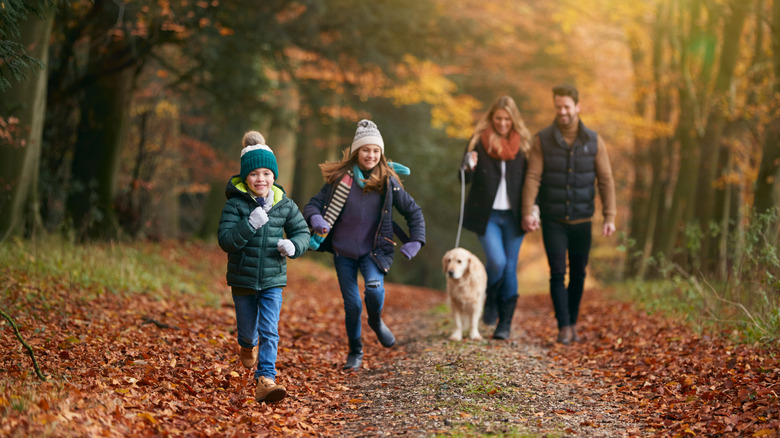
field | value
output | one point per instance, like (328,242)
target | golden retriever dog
(466,284)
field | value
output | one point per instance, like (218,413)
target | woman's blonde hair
(507,104)
(377,181)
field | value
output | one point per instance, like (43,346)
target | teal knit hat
(257,156)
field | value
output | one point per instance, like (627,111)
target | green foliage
(663,297)
(604,260)
(745,303)
(105,267)
(13,56)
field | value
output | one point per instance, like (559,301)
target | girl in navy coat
(354,213)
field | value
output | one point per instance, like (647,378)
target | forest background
(122,120)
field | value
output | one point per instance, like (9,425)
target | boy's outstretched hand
(409,249)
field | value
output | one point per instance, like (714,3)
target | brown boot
(248,356)
(574,336)
(268,391)
(564,335)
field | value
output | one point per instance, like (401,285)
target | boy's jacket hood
(235,187)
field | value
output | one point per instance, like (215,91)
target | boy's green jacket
(253,259)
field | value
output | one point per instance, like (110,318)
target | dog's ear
(444,261)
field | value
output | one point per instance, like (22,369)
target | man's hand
(609,228)
(530,223)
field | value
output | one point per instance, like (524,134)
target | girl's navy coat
(384,247)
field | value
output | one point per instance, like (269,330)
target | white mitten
(258,218)
(285,247)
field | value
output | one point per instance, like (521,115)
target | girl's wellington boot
(355,356)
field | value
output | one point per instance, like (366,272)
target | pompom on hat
(256,154)
(367,133)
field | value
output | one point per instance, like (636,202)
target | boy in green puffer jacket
(255,219)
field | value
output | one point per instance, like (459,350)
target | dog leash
(462,203)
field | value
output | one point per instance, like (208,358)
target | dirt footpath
(470,388)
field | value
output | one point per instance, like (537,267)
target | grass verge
(97,268)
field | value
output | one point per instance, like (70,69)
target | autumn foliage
(135,365)
(122,364)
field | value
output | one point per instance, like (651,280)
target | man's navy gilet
(568,186)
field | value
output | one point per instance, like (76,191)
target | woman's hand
(472,160)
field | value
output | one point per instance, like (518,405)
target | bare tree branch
(26,345)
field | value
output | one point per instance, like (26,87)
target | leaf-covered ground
(122,365)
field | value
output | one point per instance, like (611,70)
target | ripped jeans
(346,271)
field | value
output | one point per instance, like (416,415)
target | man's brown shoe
(268,391)
(248,356)
(574,336)
(565,335)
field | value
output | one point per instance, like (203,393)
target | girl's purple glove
(409,249)
(318,224)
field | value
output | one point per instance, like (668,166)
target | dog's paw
(457,336)
(476,337)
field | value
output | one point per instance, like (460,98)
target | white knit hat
(367,133)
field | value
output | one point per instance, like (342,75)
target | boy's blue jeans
(257,321)
(346,271)
(501,242)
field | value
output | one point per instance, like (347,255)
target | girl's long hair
(377,181)
(507,104)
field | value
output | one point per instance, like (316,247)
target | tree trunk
(681,210)
(766,196)
(213,211)
(307,178)
(658,154)
(282,134)
(712,142)
(108,83)
(101,133)
(640,193)
(20,154)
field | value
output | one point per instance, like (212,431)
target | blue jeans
(501,242)
(257,320)
(374,278)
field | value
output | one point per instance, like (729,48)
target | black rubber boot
(506,310)
(355,356)
(385,336)
(490,314)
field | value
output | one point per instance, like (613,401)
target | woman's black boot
(490,314)
(505,313)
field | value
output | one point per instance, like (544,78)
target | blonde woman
(495,164)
